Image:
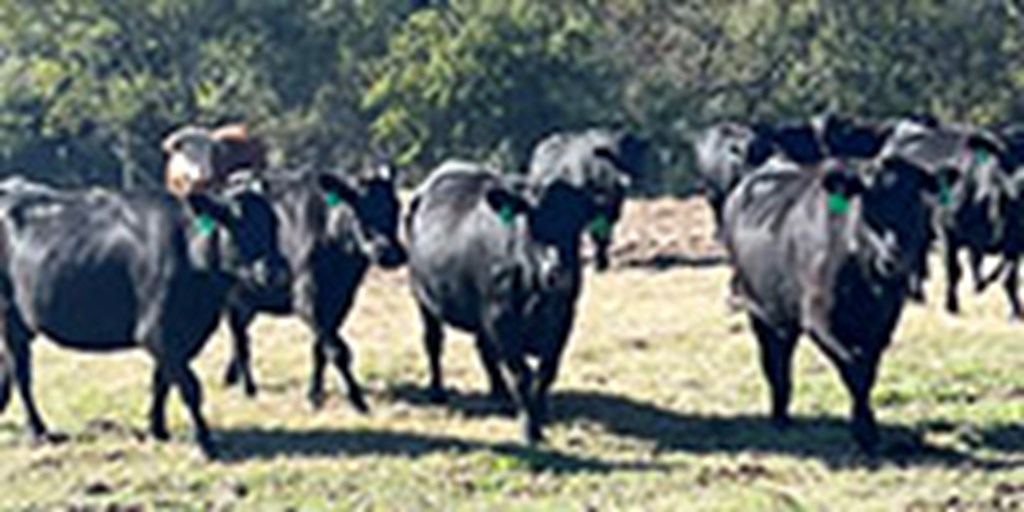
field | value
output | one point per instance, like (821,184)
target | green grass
(660,405)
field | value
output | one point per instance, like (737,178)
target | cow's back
(772,232)
(456,242)
(88,269)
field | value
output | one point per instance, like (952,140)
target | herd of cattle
(827,224)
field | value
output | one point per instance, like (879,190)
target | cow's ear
(336,190)
(507,203)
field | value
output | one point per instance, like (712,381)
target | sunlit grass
(660,405)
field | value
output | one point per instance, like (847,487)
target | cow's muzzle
(386,253)
(269,273)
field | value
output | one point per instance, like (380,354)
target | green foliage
(89,87)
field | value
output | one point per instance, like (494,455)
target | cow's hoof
(867,439)
(231,374)
(207,449)
(532,434)
(316,400)
(250,390)
(437,395)
(359,402)
(781,422)
(49,438)
(159,433)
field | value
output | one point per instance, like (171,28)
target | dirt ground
(665,231)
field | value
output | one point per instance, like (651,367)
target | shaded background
(89,87)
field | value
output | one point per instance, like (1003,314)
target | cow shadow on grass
(825,438)
(669,261)
(237,445)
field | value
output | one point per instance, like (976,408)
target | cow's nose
(393,256)
(271,273)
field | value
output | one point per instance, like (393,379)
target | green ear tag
(205,224)
(980,156)
(508,216)
(333,199)
(945,194)
(838,203)
(600,227)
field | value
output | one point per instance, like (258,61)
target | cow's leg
(17,351)
(919,276)
(546,375)
(949,250)
(21,367)
(601,248)
(240,365)
(192,395)
(433,342)
(490,358)
(776,363)
(976,258)
(1010,284)
(859,378)
(161,386)
(5,382)
(521,375)
(333,348)
(316,395)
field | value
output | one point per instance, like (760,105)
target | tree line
(89,87)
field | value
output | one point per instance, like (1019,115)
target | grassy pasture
(660,405)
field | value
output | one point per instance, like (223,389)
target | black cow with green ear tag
(103,271)
(499,257)
(332,228)
(827,252)
(600,162)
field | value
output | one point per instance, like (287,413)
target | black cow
(826,252)
(498,257)
(331,228)
(982,212)
(598,160)
(103,271)
(728,151)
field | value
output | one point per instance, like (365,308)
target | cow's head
(883,209)
(189,165)
(197,157)
(549,221)
(365,210)
(235,233)
(607,188)
(844,137)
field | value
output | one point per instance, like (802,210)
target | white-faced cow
(599,161)
(331,228)
(103,271)
(199,158)
(499,257)
(826,252)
